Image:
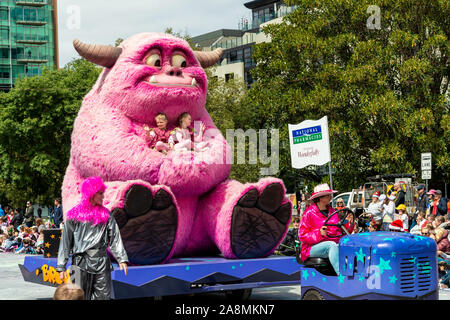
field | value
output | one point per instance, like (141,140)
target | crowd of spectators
(22,231)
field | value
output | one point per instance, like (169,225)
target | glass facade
(27,39)
(266,13)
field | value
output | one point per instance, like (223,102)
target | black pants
(97,286)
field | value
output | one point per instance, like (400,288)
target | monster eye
(179,61)
(154,60)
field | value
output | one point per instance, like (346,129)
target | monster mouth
(154,82)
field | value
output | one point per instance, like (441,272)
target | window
(266,15)
(4,72)
(4,53)
(249,78)
(30,14)
(229,76)
(255,15)
(239,55)
(248,57)
(4,13)
(233,56)
(18,71)
(4,34)
(17,14)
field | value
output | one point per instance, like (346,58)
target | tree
(225,105)
(36,121)
(385,91)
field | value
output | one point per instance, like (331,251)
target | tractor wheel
(238,295)
(313,295)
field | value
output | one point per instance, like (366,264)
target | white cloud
(104,21)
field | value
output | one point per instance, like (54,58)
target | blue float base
(181,276)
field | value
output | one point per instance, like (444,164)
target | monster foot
(147,224)
(259,222)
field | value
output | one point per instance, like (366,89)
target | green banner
(303,139)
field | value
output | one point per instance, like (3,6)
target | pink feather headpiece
(85,211)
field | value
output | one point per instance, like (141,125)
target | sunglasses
(425,234)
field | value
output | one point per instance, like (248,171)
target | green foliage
(384,91)
(36,122)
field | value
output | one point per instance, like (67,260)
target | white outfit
(182,140)
(417,228)
(374,210)
(388,213)
(405,219)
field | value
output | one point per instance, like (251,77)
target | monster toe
(271,198)
(149,235)
(162,200)
(258,224)
(138,200)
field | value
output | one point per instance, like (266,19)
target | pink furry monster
(175,204)
(85,211)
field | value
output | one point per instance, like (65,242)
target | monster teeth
(194,82)
(153,80)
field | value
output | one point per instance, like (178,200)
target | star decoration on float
(47,245)
(305,274)
(341,278)
(393,279)
(384,265)
(360,255)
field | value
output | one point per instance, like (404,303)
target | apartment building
(28,39)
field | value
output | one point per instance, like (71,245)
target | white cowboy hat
(322,190)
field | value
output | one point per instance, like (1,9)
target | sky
(104,21)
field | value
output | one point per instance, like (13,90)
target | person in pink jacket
(313,235)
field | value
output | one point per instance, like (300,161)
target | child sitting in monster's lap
(184,138)
(159,136)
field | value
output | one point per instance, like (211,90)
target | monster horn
(105,56)
(208,58)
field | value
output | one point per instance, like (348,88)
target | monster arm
(198,137)
(194,173)
(106,144)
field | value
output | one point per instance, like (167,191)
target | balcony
(38,42)
(23,58)
(32,39)
(31,3)
(32,22)
(5,81)
(233,43)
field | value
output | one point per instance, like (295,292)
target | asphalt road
(13,287)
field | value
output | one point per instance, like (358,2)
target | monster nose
(174,71)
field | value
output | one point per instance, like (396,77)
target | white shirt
(374,209)
(388,212)
(405,220)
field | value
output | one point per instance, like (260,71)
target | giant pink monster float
(166,205)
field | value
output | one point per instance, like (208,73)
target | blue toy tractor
(373,265)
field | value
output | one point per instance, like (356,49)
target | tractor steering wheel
(342,222)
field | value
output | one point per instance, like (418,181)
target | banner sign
(310,144)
